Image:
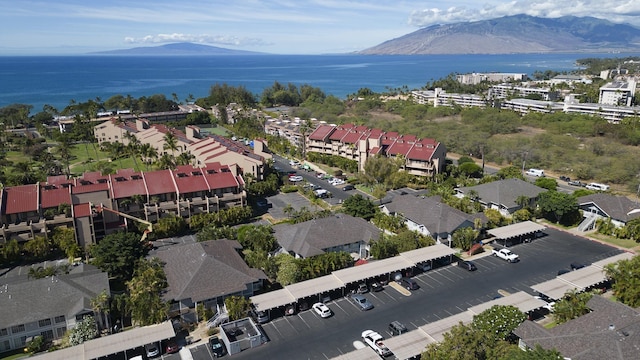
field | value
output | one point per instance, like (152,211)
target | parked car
(322,310)
(376,286)
(217,347)
(362,302)
(467,265)
(397,328)
(295,178)
(348,188)
(576,183)
(563,271)
(376,342)
(535,172)
(363,288)
(577,265)
(171,346)
(152,350)
(260,316)
(409,283)
(565,178)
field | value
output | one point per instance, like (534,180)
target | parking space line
(434,279)
(304,321)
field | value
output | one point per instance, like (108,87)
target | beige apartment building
(423,157)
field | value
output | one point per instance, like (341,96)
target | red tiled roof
(321,132)
(352,137)
(222,178)
(84,185)
(338,134)
(127,183)
(399,147)
(189,179)
(58,179)
(409,138)
(375,150)
(20,199)
(361,128)
(159,182)
(81,210)
(420,152)
(375,133)
(51,196)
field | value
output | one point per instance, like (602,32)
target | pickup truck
(505,254)
(374,340)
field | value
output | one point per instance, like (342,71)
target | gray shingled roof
(504,192)
(206,270)
(611,331)
(617,207)
(310,238)
(37,299)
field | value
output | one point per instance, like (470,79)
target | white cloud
(619,11)
(201,39)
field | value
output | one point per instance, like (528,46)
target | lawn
(218,130)
(13,355)
(624,243)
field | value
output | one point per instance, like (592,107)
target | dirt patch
(383,115)
(531,131)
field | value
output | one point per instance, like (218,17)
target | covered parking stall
(580,280)
(341,280)
(122,342)
(516,233)
(523,301)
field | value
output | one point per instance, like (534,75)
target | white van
(597,187)
(535,172)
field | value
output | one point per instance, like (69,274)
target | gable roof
(159,182)
(312,237)
(20,199)
(610,331)
(431,212)
(206,270)
(31,300)
(616,207)
(504,192)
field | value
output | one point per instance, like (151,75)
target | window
(17,329)
(59,319)
(45,322)
(47,335)
(3,332)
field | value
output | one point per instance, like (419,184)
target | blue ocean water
(59,80)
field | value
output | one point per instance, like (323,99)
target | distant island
(177,49)
(514,35)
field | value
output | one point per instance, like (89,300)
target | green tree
(494,218)
(36,345)
(383,248)
(547,183)
(359,206)
(85,330)
(498,321)
(557,204)
(378,169)
(117,254)
(169,226)
(101,309)
(237,306)
(65,239)
(38,247)
(11,250)
(145,293)
(510,172)
(288,271)
(464,237)
(571,306)
(537,353)
(257,237)
(624,276)
(410,240)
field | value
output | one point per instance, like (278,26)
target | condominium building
(525,106)
(618,93)
(423,157)
(443,98)
(27,211)
(504,91)
(612,113)
(292,130)
(477,78)
(205,148)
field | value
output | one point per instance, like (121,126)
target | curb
(399,288)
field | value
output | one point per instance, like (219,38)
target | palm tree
(149,153)
(288,210)
(170,142)
(133,146)
(184,158)
(100,305)
(64,150)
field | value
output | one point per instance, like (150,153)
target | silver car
(362,302)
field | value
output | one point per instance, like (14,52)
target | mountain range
(505,35)
(176,49)
(515,34)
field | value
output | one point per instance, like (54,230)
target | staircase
(588,223)
(221,317)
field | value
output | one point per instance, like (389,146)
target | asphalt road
(443,292)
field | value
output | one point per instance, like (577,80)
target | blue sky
(56,27)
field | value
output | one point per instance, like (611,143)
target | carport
(112,344)
(366,353)
(428,253)
(523,301)
(317,287)
(516,231)
(554,289)
(272,299)
(373,269)
(580,279)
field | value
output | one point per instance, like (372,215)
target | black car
(577,265)
(467,265)
(376,286)
(217,347)
(348,187)
(565,178)
(397,328)
(409,283)
(563,271)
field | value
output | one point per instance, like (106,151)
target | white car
(336,182)
(322,310)
(296,178)
(375,341)
(550,304)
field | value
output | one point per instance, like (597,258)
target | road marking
(304,321)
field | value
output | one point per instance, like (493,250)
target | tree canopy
(117,254)
(359,206)
(625,275)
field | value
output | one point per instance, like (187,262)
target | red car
(171,346)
